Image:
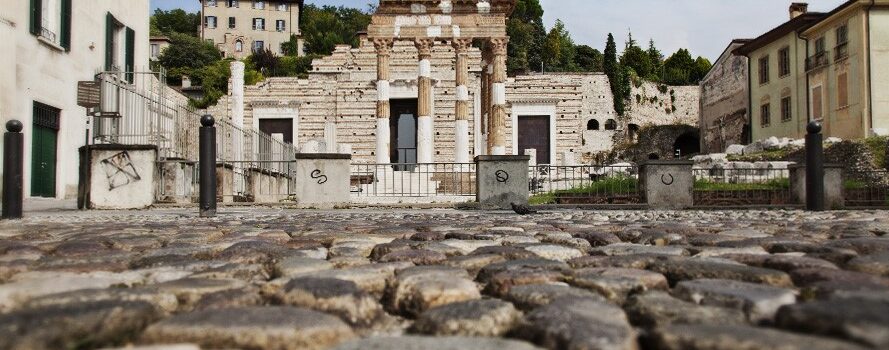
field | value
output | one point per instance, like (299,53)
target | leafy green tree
(265,61)
(214,80)
(618,77)
(678,68)
(588,59)
(637,60)
(701,68)
(657,62)
(291,66)
(559,53)
(325,27)
(291,47)
(188,51)
(527,37)
(175,21)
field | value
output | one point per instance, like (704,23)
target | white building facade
(56,44)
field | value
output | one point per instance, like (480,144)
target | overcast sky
(704,26)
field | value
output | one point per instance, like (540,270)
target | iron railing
(866,189)
(736,187)
(818,60)
(240,181)
(584,184)
(438,181)
(841,51)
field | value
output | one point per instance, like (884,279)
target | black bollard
(814,168)
(208,166)
(13,170)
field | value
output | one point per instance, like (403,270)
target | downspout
(808,87)
(749,127)
(870,81)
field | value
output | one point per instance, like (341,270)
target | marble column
(486,96)
(461,127)
(425,138)
(384,51)
(497,134)
(237,108)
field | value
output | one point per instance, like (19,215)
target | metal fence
(237,181)
(439,181)
(730,187)
(866,189)
(584,184)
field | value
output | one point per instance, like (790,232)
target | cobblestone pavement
(442,279)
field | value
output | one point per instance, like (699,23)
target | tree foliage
(682,69)
(327,26)
(175,21)
(588,59)
(186,51)
(526,37)
(560,52)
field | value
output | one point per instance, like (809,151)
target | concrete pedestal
(667,184)
(833,185)
(501,180)
(322,180)
(117,177)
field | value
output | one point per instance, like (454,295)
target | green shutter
(109,41)
(130,54)
(36,16)
(66,25)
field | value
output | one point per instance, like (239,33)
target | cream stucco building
(848,69)
(53,44)
(240,27)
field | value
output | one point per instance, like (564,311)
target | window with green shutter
(130,57)
(36,16)
(65,30)
(110,24)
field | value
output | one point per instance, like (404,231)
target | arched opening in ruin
(653,156)
(610,124)
(592,124)
(239,46)
(687,144)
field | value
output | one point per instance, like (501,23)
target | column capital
(383,46)
(462,45)
(499,45)
(424,47)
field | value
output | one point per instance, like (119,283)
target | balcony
(819,60)
(841,51)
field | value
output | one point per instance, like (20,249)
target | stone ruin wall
(341,89)
(724,104)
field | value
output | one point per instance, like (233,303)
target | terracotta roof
(797,24)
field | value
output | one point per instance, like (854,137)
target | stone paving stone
(369,278)
(437,343)
(244,272)
(75,325)
(476,318)
(758,301)
(418,289)
(159,347)
(555,252)
(531,296)
(225,299)
(579,323)
(634,249)
(25,286)
(657,308)
(875,264)
(165,302)
(784,263)
(415,256)
(252,328)
(467,246)
(190,290)
(487,272)
(292,266)
(338,297)
(500,284)
(473,263)
(863,246)
(508,252)
(709,252)
(252,252)
(617,283)
(863,321)
(682,269)
(734,337)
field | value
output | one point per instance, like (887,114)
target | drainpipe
(808,87)
(870,98)
(749,127)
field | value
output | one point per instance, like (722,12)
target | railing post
(814,168)
(208,166)
(13,167)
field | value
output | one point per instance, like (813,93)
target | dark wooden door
(534,134)
(43,150)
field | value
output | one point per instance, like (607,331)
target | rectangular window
(258,24)
(258,46)
(233,3)
(820,45)
(765,115)
(764,70)
(211,3)
(843,90)
(259,5)
(280,25)
(784,61)
(51,20)
(155,50)
(786,109)
(282,7)
(842,34)
(210,22)
(817,113)
(232,23)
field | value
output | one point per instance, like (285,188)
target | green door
(43,151)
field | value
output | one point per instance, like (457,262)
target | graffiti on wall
(120,171)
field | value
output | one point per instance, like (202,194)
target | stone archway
(687,144)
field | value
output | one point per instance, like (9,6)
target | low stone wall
(117,177)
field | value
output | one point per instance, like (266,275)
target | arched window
(592,124)
(633,131)
(610,124)
(239,46)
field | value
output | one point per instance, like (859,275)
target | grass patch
(607,186)
(764,156)
(854,184)
(774,184)
(877,147)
